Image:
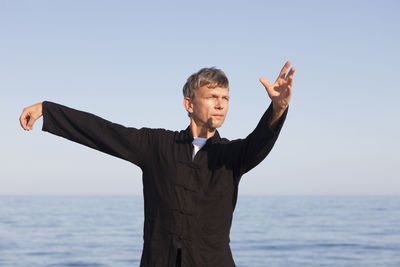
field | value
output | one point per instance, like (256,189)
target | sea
(266,231)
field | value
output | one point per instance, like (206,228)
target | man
(191,177)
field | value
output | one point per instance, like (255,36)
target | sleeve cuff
(267,118)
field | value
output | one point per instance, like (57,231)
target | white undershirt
(198,143)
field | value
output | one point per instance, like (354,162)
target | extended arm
(257,145)
(90,130)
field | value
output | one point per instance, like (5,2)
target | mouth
(218,117)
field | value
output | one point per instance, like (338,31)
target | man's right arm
(90,130)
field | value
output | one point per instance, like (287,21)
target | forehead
(210,90)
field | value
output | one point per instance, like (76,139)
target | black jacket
(185,200)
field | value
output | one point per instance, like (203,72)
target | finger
(23,120)
(291,72)
(31,121)
(265,82)
(291,76)
(289,80)
(282,74)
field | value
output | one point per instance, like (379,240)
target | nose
(220,104)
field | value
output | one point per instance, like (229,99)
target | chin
(216,125)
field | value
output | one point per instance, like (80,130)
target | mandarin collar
(187,136)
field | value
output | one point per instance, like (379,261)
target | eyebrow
(211,94)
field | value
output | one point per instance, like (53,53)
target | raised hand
(280,91)
(30,115)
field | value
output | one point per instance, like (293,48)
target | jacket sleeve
(87,129)
(257,145)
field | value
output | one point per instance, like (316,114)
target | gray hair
(207,76)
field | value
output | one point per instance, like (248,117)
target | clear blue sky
(127,61)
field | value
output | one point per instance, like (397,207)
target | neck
(201,131)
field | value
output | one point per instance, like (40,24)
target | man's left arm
(256,146)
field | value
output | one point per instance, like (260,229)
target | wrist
(278,110)
(39,109)
(277,113)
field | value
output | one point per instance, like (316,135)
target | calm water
(267,231)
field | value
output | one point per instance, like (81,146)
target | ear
(188,103)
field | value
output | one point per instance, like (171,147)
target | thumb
(31,121)
(267,85)
(24,119)
(265,82)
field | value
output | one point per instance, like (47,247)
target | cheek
(207,106)
(226,108)
(201,110)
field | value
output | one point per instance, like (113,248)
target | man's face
(210,106)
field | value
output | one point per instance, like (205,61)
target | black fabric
(187,201)
(179,258)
